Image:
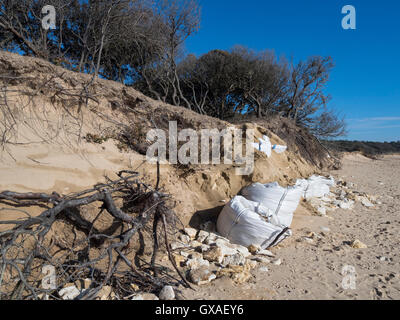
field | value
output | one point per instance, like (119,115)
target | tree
(306,85)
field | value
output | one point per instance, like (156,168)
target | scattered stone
(197,263)
(346,204)
(146,297)
(265,253)
(227,248)
(195,255)
(357,244)
(251,263)
(167,293)
(83,284)
(215,254)
(135,287)
(325,229)
(195,244)
(383,259)
(366,203)
(201,276)
(242,277)
(261,260)
(179,259)
(321,211)
(254,249)
(69,292)
(202,236)
(177,245)
(185,238)
(104,293)
(235,260)
(185,254)
(243,250)
(138,297)
(191,232)
(204,248)
(277,262)
(263,269)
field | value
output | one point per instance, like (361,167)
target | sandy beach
(314,270)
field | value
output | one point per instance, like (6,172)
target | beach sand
(315,270)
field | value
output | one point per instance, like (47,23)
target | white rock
(167,293)
(325,229)
(243,250)
(261,259)
(201,276)
(145,296)
(191,232)
(277,262)
(69,293)
(366,203)
(202,236)
(266,253)
(322,211)
(184,238)
(235,260)
(177,245)
(196,263)
(203,248)
(264,269)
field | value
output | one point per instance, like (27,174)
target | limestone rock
(277,262)
(254,249)
(265,253)
(104,293)
(197,263)
(234,260)
(201,276)
(357,244)
(185,238)
(202,236)
(146,297)
(191,232)
(69,292)
(215,254)
(167,293)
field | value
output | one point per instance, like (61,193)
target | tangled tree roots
(30,244)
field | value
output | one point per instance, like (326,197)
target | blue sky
(365,84)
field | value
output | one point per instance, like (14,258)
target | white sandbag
(279,149)
(316,186)
(264,145)
(242,223)
(282,201)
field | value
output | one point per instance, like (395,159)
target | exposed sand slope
(47,120)
(313,271)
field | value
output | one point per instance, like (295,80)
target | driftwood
(29,244)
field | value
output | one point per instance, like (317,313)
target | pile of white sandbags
(316,186)
(264,145)
(263,214)
(248,223)
(282,201)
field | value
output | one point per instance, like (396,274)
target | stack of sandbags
(282,201)
(315,186)
(248,223)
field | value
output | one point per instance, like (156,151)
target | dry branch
(104,257)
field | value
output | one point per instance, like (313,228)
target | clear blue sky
(365,84)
